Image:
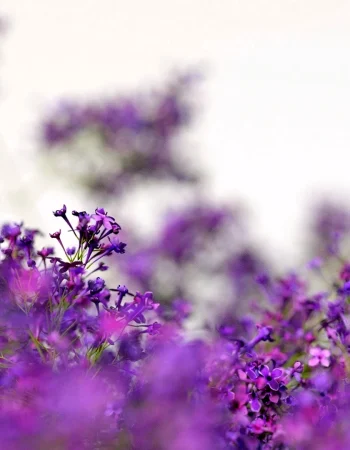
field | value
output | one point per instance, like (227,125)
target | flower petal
(325,362)
(315,351)
(274,398)
(251,374)
(261,383)
(273,385)
(255,405)
(241,374)
(107,224)
(265,371)
(276,373)
(314,362)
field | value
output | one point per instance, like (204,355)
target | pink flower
(101,217)
(319,356)
(258,426)
(110,324)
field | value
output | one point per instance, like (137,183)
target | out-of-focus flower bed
(84,365)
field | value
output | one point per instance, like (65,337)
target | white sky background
(274,121)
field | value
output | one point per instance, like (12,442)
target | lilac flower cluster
(132,136)
(88,366)
(59,330)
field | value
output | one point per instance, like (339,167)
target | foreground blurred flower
(88,366)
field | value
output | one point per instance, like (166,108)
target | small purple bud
(45,252)
(96,286)
(102,267)
(56,235)
(60,212)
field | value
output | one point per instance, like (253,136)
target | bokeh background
(271,114)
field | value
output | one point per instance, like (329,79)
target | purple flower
(11,231)
(315,263)
(56,235)
(297,370)
(45,252)
(84,219)
(146,300)
(153,328)
(31,263)
(271,377)
(122,292)
(115,246)
(264,334)
(60,212)
(96,286)
(101,217)
(130,347)
(345,272)
(255,404)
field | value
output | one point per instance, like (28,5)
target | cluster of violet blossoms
(68,342)
(88,366)
(122,140)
